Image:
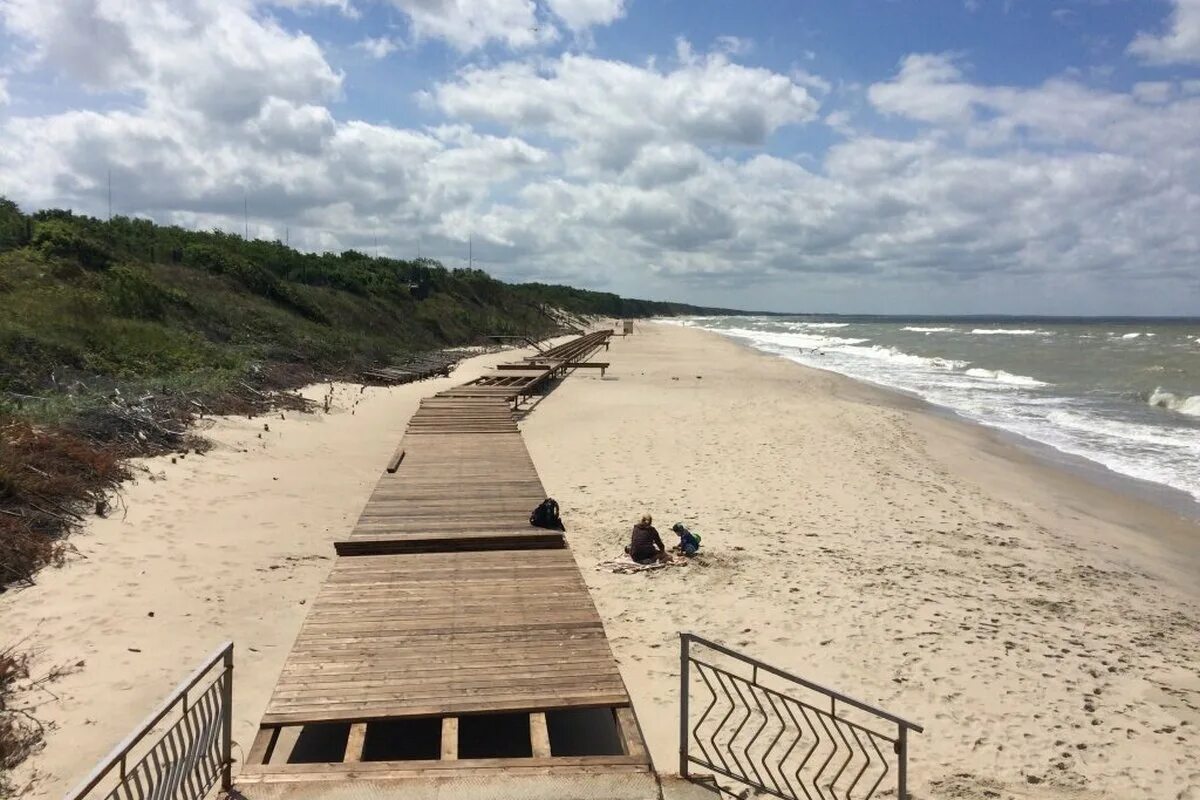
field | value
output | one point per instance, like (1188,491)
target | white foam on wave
(917,329)
(1173,402)
(1010,332)
(818,325)
(810,341)
(1000,376)
(895,356)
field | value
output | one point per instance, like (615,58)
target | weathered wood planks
(444,634)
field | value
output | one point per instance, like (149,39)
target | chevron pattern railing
(781,734)
(183,760)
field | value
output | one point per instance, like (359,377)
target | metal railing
(184,759)
(782,734)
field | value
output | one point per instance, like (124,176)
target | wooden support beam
(449,738)
(355,742)
(285,741)
(631,734)
(394,464)
(264,741)
(539,735)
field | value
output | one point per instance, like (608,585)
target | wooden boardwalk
(453,645)
(517,633)
(465,481)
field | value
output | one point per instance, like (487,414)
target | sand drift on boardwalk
(1122,393)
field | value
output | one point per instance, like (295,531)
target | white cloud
(1153,92)
(379,47)
(1180,44)
(609,110)
(213,57)
(4,98)
(346,7)
(471,24)
(579,15)
(735,45)
(929,88)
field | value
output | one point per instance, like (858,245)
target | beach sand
(231,544)
(1044,630)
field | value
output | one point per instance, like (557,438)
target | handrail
(745,694)
(879,712)
(119,753)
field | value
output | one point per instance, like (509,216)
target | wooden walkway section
(464,481)
(454,648)
(517,633)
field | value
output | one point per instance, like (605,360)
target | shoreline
(1042,628)
(1140,502)
(1181,509)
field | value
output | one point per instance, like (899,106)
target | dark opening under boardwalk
(454,651)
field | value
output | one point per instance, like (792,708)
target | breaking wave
(1010,332)
(1173,402)
(1001,376)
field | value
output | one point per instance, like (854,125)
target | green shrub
(60,239)
(132,293)
(14,226)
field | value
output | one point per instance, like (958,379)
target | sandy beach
(1045,630)
(202,549)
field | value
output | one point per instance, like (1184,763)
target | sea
(1120,393)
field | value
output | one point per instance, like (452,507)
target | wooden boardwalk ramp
(454,650)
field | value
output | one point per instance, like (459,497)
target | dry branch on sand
(21,732)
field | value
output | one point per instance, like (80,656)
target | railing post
(227,722)
(902,764)
(683,705)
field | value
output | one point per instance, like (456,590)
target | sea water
(1124,393)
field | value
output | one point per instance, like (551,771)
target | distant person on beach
(646,546)
(689,543)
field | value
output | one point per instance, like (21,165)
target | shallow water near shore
(1123,393)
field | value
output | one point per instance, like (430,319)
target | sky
(851,156)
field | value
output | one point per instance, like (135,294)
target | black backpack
(546,516)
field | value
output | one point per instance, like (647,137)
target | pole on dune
(245,216)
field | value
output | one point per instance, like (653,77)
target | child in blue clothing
(689,542)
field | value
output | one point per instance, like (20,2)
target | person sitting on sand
(689,542)
(645,546)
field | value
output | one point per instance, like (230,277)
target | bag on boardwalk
(546,516)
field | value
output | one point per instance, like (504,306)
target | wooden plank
(563,766)
(355,742)
(394,463)
(631,734)
(449,738)
(285,740)
(264,742)
(539,735)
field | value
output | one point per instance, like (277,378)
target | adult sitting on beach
(645,546)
